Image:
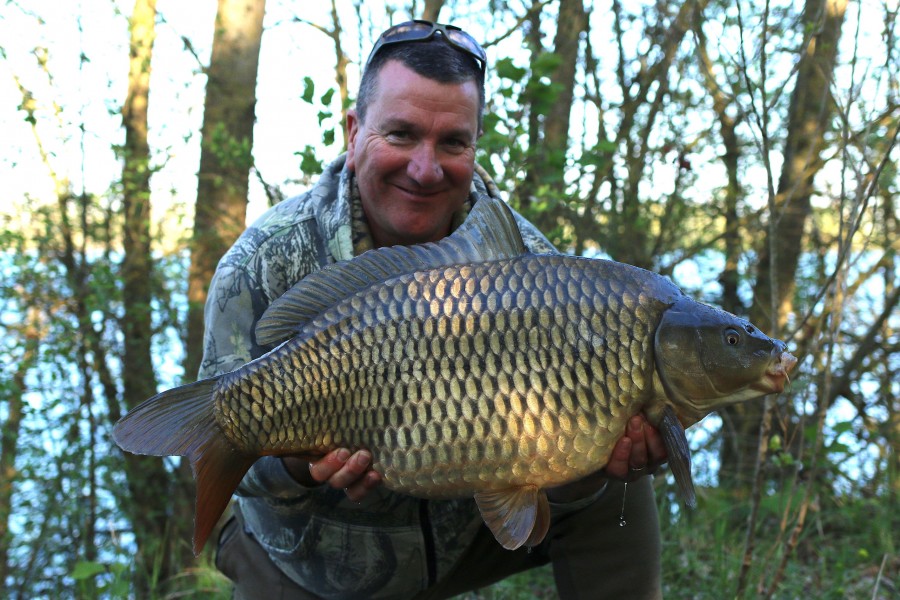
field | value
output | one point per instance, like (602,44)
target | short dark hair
(433,59)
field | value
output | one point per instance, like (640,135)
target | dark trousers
(593,556)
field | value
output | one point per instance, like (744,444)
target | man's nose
(424,166)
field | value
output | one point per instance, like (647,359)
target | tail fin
(180,422)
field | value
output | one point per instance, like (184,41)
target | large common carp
(468,367)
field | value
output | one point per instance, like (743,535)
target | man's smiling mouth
(415,193)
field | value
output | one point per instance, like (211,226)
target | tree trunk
(526,191)
(9,440)
(730,278)
(571,24)
(891,401)
(629,237)
(225,159)
(137,263)
(810,114)
(222,183)
(432,9)
(340,71)
(548,157)
(148,481)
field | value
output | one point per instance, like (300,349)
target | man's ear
(352,132)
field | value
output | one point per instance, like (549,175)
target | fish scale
(467,367)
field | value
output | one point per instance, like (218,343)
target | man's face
(414,156)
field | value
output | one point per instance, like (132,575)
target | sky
(84,45)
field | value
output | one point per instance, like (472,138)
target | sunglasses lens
(467,43)
(412,31)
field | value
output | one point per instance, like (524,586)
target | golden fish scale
(460,379)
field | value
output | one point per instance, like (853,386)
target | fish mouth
(776,376)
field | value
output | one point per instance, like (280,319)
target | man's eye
(456,144)
(399,135)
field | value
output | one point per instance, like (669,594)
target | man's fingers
(361,487)
(656,450)
(340,469)
(324,469)
(638,458)
(618,461)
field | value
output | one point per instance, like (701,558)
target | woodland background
(746,149)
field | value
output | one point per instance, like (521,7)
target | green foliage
(535,584)
(108,580)
(309,90)
(310,164)
(69,484)
(540,92)
(838,553)
(232,154)
(329,133)
(523,94)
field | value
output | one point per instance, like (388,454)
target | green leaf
(309,164)
(505,69)
(545,64)
(309,89)
(843,427)
(86,570)
(839,448)
(605,146)
(327,96)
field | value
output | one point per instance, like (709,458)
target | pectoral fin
(679,455)
(516,516)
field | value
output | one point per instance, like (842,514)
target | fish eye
(732,337)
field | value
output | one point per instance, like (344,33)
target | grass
(847,550)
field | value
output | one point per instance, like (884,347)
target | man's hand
(637,453)
(340,469)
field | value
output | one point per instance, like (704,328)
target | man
(328,528)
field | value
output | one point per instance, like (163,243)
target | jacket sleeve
(229,321)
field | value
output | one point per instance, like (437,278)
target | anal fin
(517,516)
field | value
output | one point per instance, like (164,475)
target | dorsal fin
(489,233)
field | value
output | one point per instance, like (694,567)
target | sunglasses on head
(420,31)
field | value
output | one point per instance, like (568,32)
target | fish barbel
(468,367)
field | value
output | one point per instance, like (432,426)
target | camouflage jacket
(389,545)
